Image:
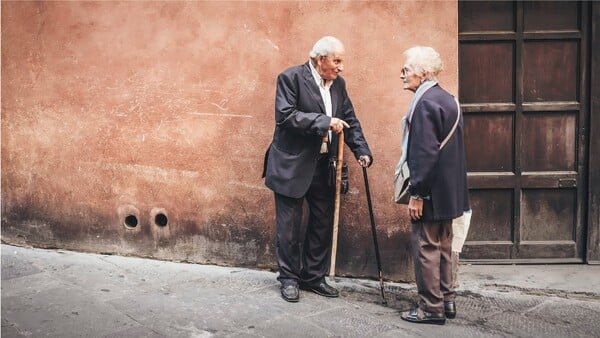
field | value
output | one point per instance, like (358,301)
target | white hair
(325,46)
(424,60)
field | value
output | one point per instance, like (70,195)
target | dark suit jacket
(300,124)
(442,175)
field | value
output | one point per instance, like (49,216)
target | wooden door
(522,78)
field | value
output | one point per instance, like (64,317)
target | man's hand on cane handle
(364,161)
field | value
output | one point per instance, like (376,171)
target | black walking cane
(374,231)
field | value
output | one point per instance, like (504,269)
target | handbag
(345,185)
(460,229)
(401,182)
(402,173)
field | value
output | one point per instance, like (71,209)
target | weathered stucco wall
(146,113)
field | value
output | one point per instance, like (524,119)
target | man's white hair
(424,60)
(325,46)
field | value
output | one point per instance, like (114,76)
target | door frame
(593,228)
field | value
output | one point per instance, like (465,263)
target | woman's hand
(415,208)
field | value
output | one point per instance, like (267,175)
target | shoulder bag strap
(453,127)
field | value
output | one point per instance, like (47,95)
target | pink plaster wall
(112,109)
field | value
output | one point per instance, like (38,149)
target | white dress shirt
(324,87)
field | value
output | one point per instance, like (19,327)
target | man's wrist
(416,197)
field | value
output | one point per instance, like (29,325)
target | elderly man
(311,108)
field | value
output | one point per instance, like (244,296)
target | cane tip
(384,303)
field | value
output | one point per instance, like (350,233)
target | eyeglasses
(406,71)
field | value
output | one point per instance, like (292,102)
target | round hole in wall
(161,219)
(131,221)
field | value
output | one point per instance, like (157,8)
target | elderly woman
(438,182)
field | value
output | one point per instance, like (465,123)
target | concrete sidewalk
(563,280)
(54,293)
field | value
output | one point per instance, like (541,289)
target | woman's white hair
(325,46)
(424,60)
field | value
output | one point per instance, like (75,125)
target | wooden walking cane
(338,190)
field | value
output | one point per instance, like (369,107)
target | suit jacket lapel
(313,89)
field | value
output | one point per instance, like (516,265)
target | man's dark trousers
(307,264)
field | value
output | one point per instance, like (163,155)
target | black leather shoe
(450,309)
(322,289)
(290,292)
(417,315)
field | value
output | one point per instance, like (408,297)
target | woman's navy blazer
(440,176)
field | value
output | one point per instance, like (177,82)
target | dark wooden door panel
(493,217)
(548,215)
(550,15)
(522,70)
(550,70)
(481,16)
(486,71)
(549,142)
(494,132)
